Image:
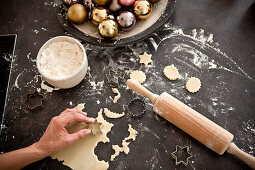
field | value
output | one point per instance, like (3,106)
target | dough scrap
(145,58)
(80,155)
(171,72)
(81,106)
(193,84)
(138,76)
(112,115)
(132,135)
(116,98)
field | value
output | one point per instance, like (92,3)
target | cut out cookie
(112,115)
(171,72)
(193,84)
(138,76)
(132,135)
(116,98)
(80,155)
(145,58)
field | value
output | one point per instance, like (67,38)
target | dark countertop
(226,97)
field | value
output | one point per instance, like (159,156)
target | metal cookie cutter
(34,100)
(136,108)
(95,127)
(117,76)
(181,155)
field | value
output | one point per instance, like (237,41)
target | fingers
(73,109)
(79,111)
(78,135)
(73,115)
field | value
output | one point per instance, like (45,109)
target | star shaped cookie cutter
(181,153)
(116,77)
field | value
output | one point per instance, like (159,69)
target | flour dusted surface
(61,59)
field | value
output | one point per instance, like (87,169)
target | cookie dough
(138,76)
(112,115)
(171,72)
(145,58)
(116,98)
(193,84)
(80,155)
(81,106)
(132,135)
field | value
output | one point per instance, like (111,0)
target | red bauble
(126,2)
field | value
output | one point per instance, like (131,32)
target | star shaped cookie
(145,58)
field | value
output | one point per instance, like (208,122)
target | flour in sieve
(61,60)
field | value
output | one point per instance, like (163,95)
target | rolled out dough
(116,98)
(138,76)
(80,155)
(132,135)
(193,84)
(112,115)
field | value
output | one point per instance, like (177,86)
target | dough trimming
(113,115)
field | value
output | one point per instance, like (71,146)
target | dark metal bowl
(69,27)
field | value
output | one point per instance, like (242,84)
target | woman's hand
(56,136)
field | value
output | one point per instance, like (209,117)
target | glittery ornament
(142,9)
(126,2)
(153,1)
(101,2)
(99,14)
(88,3)
(108,29)
(70,2)
(126,20)
(115,6)
(77,14)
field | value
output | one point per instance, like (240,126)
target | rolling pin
(190,121)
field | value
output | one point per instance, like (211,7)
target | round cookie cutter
(133,108)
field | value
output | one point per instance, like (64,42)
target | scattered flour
(16,81)
(46,87)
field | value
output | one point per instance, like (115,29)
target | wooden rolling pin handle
(137,87)
(248,159)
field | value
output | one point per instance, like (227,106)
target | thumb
(79,135)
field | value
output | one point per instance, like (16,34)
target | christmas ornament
(126,2)
(70,2)
(99,14)
(115,6)
(77,14)
(108,29)
(142,9)
(88,3)
(126,20)
(101,2)
(153,1)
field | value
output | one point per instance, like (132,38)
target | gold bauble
(101,2)
(108,28)
(77,14)
(142,9)
(99,14)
